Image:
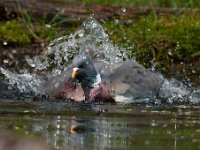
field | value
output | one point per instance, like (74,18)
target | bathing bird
(91,80)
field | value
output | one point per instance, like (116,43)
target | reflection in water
(175,134)
(139,130)
(65,132)
(86,132)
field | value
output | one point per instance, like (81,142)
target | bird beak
(74,72)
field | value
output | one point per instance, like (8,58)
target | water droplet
(81,33)
(116,21)
(177,45)
(32,65)
(5,61)
(153,123)
(58,126)
(123,9)
(42,44)
(170,52)
(56,85)
(5,43)
(149,30)
(193,71)
(48,25)
(13,51)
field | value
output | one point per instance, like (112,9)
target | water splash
(173,91)
(5,43)
(123,9)
(90,38)
(24,82)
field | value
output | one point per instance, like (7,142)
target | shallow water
(70,125)
(67,125)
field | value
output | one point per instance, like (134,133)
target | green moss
(22,32)
(164,42)
(144,3)
(158,41)
(163,39)
(14,32)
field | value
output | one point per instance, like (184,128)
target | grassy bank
(169,43)
(139,3)
(20,31)
(161,41)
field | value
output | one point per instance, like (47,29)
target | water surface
(68,125)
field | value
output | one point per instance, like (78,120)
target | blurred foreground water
(92,126)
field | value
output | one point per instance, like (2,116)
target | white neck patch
(97,81)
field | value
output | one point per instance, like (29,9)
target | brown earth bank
(78,12)
(14,57)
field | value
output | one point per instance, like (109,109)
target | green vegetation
(161,38)
(26,30)
(169,43)
(140,3)
(14,32)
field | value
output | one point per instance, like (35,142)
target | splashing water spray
(90,38)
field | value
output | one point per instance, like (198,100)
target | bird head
(84,71)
